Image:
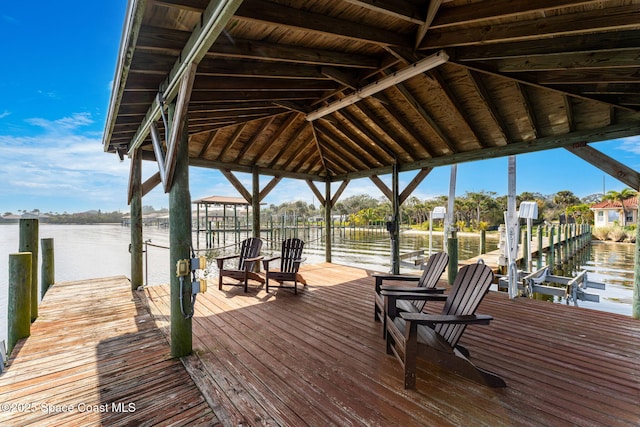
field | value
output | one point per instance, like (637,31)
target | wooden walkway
(492,258)
(95,357)
(316,359)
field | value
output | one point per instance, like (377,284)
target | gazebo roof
(293,88)
(222,200)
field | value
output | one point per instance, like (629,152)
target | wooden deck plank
(563,365)
(94,344)
(316,358)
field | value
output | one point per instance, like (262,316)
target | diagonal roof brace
(213,21)
(406,73)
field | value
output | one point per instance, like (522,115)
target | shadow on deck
(317,358)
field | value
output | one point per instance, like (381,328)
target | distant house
(608,213)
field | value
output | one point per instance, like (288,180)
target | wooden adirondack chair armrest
(258,258)
(391,297)
(222,259)
(380,278)
(266,261)
(426,296)
(411,289)
(430,319)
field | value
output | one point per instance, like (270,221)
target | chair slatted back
(469,288)
(250,249)
(291,251)
(433,269)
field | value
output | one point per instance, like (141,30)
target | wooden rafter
(607,164)
(213,21)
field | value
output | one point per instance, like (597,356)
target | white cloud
(4,114)
(631,144)
(62,164)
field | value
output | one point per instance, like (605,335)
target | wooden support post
(19,310)
(526,254)
(452,250)
(551,247)
(395,221)
(137,277)
(327,221)
(29,243)
(635,308)
(255,205)
(180,246)
(48,272)
(483,242)
(540,246)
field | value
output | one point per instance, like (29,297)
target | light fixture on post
(406,73)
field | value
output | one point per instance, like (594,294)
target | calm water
(91,251)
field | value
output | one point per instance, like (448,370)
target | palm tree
(620,196)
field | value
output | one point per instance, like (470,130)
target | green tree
(620,196)
(565,198)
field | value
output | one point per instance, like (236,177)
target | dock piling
(47,273)
(29,243)
(19,310)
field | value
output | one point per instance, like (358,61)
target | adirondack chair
(248,258)
(434,337)
(433,269)
(290,260)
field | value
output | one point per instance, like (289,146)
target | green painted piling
(48,271)
(551,246)
(452,250)
(29,243)
(19,309)
(135,249)
(539,264)
(180,245)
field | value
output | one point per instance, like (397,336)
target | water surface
(92,251)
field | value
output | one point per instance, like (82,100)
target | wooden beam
(585,22)
(231,141)
(179,117)
(541,144)
(393,135)
(239,48)
(270,186)
(418,108)
(310,22)
(316,191)
(495,9)
(294,139)
(421,175)
(214,19)
(400,9)
(339,191)
(237,185)
(607,164)
(382,187)
(487,100)
(432,9)
(151,183)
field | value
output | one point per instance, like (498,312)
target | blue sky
(55,80)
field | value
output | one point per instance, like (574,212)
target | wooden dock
(95,357)
(492,258)
(315,359)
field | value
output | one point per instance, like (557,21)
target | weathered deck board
(314,359)
(95,344)
(318,359)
